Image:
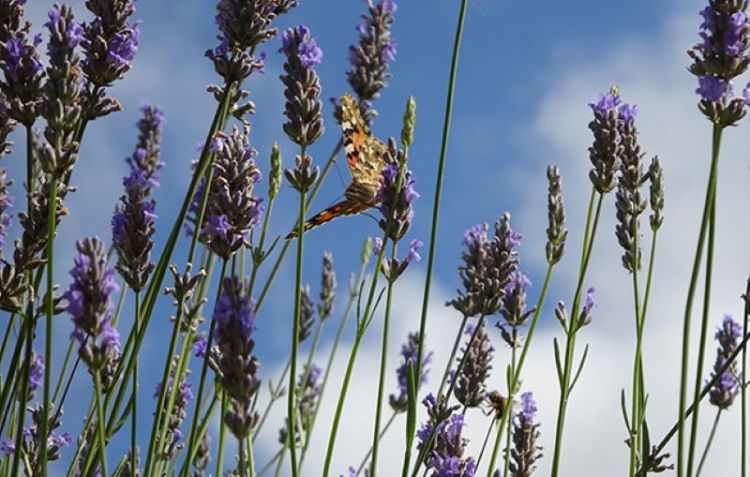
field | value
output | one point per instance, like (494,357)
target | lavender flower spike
(369,58)
(727,387)
(23,72)
(90,305)
(147,150)
(304,123)
(525,451)
(6,201)
(396,204)
(409,351)
(471,389)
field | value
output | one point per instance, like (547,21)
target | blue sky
(527,71)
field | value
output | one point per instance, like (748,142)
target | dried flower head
(514,310)
(656,193)
(727,386)
(606,151)
(327,287)
(307,314)
(6,202)
(301,86)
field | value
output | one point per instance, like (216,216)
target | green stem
(380,437)
(24,396)
(708,443)
(241,447)
(222,434)
(100,423)
(275,396)
(452,356)
(202,382)
(703,336)
(292,397)
(707,206)
(505,419)
(506,467)
(571,333)
(743,388)
(637,389)
(134,416)
(202,429)
(439,179)
(50,300)
(383,366)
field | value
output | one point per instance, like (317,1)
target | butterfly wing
(345,207)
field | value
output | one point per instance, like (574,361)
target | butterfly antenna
(341,176)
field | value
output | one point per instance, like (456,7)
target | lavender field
(377,237)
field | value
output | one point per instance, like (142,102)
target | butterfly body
(365,156)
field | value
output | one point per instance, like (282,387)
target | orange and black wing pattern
(365,156)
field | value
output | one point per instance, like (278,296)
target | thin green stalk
(703,336)
(313,194)
(202,429)
(353,294)
(134,416)
(23,398)
(275,396)
(250,456)
(380,437)
(708,443)
(571,333)
(506,467)
(637,391)
(6,402)
(439,179)
(6,336)
(710,198)
(100,431)
(383,365)
(486,440)
(452,356)
(505,418)
(222,434)
(241,446)
(50,300)
(292,397)
(743,389)
(269,464)
(204,371)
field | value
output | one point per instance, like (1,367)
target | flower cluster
(90,305)
(446,457)
(477,363)
(23,71)
(183,397)
(727,386)
(147,150)
(304,123)
(61,108)
(396,202)
(369,58)
(133,227)
(629,200)
(525,451)
(721,56)
(656,193)
(584,318)
(514,310)
(6,202)
(327,287)
(306,314)
(110,43)
(234,315)
(232,208)
(32,437)
(488,265)
(393,268)
(606,151)
(308,393)
(409,352)
(556,231)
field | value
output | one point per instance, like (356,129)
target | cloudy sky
(527,71)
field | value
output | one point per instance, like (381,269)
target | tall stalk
(706,218)
(743,388)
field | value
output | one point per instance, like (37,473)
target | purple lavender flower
(726,388)
(304,123)
(133,227)
(369,58)
(447,456)
(589,304)
(470,379)
(327,287)
(232,209)
(147,150)
(36,372)
(409,357)
(7,448)
(183,397)
(110,43)
(556,231)
(90,304)
(6,201)
(234,315)
(308,393)
(713,89)
(525,452)
(200,346)
(514,310)
(23,75)
(396,204)
(488,265)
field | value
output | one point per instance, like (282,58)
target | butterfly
(365,156)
